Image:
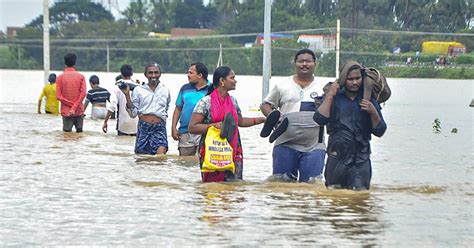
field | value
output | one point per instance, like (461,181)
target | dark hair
(201,69)
(52,78)
(117,78)
(305,51)
(126,70)
(70,59)
(220,72)
(94,79)
(151,64)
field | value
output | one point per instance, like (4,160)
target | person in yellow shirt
(49,91)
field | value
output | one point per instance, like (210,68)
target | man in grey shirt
(150,102)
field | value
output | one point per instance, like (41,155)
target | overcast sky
(18,13)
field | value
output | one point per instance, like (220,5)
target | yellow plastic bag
(218,153)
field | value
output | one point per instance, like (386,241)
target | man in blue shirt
(350,121)
(189,95)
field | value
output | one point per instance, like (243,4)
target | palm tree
(135,13)
(227,8)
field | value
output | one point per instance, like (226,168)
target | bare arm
(248,122)
(39,105)
(174,123)
(131,112)
(325,108)
(107,117)
(86,103)
(196,125)
(369,108)
(266,108)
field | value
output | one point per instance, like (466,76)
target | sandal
(270,123)
(228,127)
(279,130)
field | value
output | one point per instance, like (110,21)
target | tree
(321,8)
(452,15)
(193,14)
(63,13)
(226,9)
(135,13)
(162,15)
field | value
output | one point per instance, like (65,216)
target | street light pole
(267,48)
(46,40)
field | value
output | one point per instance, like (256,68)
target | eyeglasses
(305,61)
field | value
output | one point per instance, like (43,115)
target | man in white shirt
(299,152)
(150,102)
(118,103)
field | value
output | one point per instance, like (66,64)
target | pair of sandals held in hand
(272,127)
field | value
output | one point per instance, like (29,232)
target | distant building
(189,32)
(159,35)
(319,42)
(274,36)
(12,32)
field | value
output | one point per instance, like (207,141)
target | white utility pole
(267,48)
(108,58)
(46,40)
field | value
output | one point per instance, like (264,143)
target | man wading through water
(350,121)
(150,102)
(299,149)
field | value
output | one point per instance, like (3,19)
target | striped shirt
(297,104)
(71,91)
(98,95)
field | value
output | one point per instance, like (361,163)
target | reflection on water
(91,189)
(221,203)
(426,189)
(355,216)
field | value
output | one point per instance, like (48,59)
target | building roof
(189,32)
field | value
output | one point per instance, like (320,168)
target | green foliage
(428,72)
(68,12)
(7,58)
(83,19)
(464,59)
(192,14)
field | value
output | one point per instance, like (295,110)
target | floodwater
(91,189)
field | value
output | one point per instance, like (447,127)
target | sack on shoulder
(376,84)
(218,152)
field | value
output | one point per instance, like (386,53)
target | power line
(220,36)
(144,49)
(404,32)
